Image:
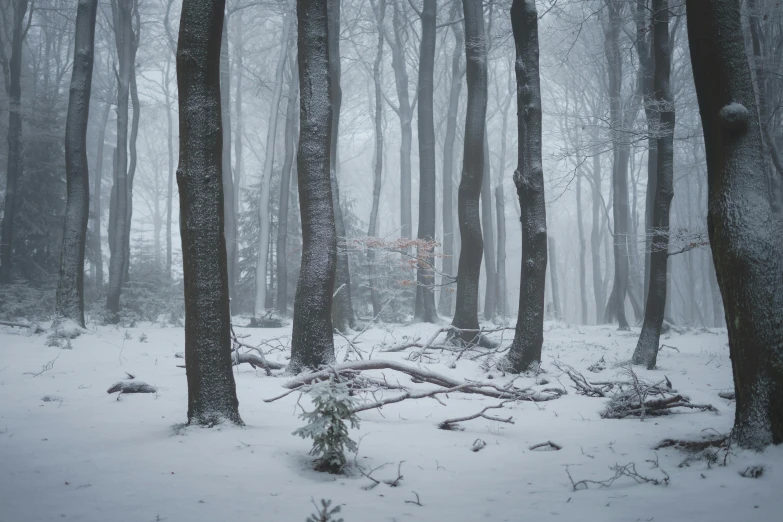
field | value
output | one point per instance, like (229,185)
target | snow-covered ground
(70,451)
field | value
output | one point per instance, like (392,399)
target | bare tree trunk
(228,181)
(647,347)
(123,33)
(312,340)
(269,162)
(552,257)
(744,235)
(425,277)
(488,233)
(170,184)
(468,271)
(239,66)
(342,306)
(70,285)
(582,247)
(380,15)
(595,238)
(285,197)
(96,196)
(457,71)
(616,305)
(525,351)
(405,113)
(14,167)
(133,157)
(212,397)
(500,209)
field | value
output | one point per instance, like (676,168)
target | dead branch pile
(632,396)
(627,470)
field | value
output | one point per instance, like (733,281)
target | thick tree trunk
(70,285)
(269,163)
(123,33)
(525,351)
(375,298)
(647,347)
(212,397)
(457,71)
(488,234)
(14,164)
(468,271)
(744,235)
(228,181)
(97,245)
(425,276)
(285,193)
(615,308)
(312,340)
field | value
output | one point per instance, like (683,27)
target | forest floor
(70,451)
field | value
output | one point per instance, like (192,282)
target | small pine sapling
(327,427)
(324,514)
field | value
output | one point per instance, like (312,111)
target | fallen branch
(481,388)
(627,470)
(32,326)
(44,368)
(547,444)
(255,361)
(450,424)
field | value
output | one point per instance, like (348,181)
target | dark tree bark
(615,307)
(70,285)
(342,307)
(285,193)
(13,169)
(380,15)
(212,396)
(468,271)
(312,340)
(425,276)
(744,234)
(488,234)
(97,246)
(123,35)
(647,347)
(228,181)
(525,351)
(457,71)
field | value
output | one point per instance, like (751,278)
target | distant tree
(312,339)
(425,276)
(744,234)
(647,348)
(525,352)
(70,287)
(119,222)
(468,271)
(212,394)
(12,69)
